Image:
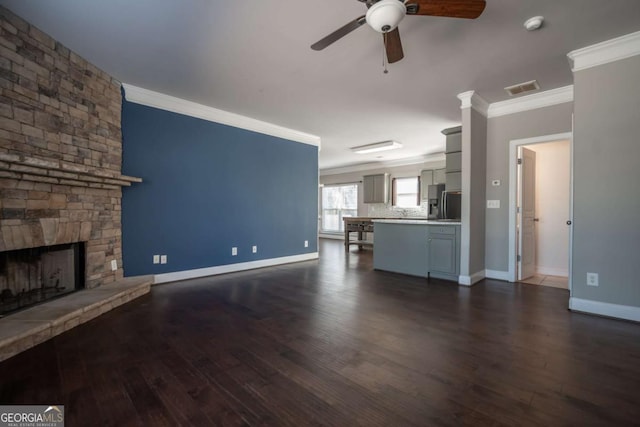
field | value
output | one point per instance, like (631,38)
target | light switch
(493,204)
(163,259)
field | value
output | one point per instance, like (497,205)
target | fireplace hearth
(35,275)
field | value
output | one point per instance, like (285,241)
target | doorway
(540,209)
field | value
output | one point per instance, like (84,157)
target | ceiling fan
(385,15)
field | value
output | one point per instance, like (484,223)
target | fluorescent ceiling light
(378,146)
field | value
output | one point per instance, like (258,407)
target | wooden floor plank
(334,342)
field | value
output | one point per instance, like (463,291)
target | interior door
(526,215)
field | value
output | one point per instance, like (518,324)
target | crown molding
(471,99)
(150,98)
(531,102)
(361,167)
(605,52)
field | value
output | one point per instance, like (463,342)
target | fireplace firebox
(32,276)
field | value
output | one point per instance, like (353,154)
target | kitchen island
(418,247)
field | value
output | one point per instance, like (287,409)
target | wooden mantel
(26,168)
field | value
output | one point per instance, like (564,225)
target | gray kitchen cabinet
(401,248)
(426,179)
(444,251)
(454,162)
(425,250)
(454,181)
(453,155)
(439,176)
(376,188)
(454,139)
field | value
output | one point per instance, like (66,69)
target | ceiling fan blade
(469,9)
(339,33)
(393,46)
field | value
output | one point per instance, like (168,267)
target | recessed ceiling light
(534,23)
(378,146)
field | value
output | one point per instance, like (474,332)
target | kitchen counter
(364,224)
(419,221)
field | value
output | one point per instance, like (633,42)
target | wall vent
(521,88)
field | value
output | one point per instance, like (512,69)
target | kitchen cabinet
(418,248)
(401,248)
(376,188)
(454,139)
(454,162)
(430,177)
(453,155)
(444,250)
(426,179)
(454,182)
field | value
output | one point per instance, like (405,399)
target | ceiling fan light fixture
(378,146)
(385,15)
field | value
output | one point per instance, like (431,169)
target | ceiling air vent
(521,88)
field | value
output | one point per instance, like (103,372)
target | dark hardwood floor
(332,342)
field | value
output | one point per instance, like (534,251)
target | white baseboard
(471,280)
(552,271)
(618,311)
(230,268)
(497,274)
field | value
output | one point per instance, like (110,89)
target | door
(442,253)
(526,215)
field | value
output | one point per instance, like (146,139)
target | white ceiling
(253,58)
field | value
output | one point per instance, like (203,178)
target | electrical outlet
(493,204)
(254,249)
(163,259)
(306,243)
(234,251)
(592,279)
(156,259)
(114,265)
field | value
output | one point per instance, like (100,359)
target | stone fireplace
(60,158)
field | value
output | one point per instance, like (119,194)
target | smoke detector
(534,23)
(521,88)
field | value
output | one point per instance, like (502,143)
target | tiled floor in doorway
(553,281)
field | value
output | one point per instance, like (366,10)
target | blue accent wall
(208,187)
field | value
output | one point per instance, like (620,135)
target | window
(406,192)
(338,201)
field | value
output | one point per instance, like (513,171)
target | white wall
(553,163)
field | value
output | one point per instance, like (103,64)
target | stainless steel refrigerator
(443,204)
